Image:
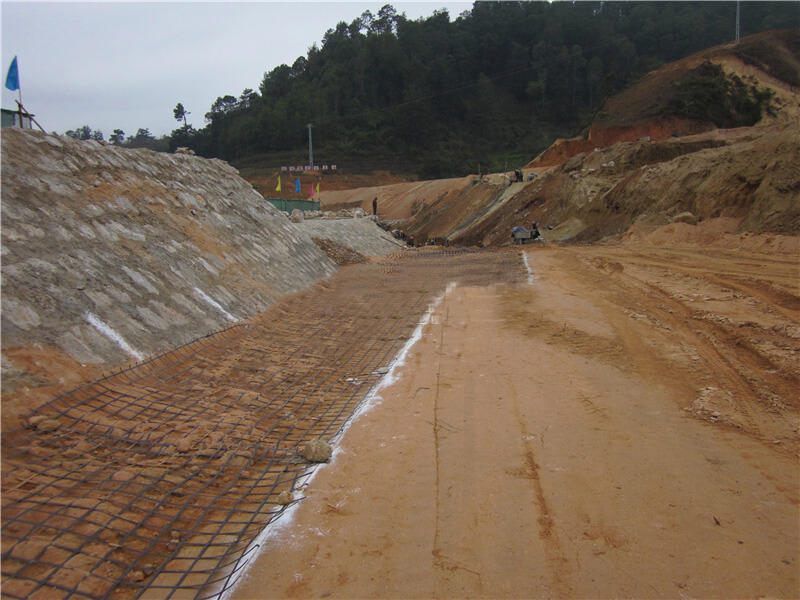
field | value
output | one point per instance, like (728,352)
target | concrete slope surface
(110,256)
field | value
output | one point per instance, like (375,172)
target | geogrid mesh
(154,481)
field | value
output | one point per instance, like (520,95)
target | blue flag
(297,187)
(12,79)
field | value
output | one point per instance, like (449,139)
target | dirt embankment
(745,174)
(397,200)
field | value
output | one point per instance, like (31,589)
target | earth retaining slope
(110,255)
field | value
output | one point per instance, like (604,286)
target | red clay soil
(602,136)
(626,425)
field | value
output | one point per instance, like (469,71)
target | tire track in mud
(441,561)
(474,490)
(548,532)
(761,390)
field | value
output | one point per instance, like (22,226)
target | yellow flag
(278,189)
(318,187)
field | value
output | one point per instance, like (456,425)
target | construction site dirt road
(622,425)
(572,422)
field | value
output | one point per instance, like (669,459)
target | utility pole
(738,14)
(310,151)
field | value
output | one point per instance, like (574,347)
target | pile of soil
(746,174)
(339,253)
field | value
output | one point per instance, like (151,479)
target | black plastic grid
(160,477)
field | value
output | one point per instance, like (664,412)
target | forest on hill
(446,96)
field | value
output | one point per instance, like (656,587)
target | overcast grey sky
(125,65)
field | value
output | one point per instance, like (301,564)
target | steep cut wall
(111,255)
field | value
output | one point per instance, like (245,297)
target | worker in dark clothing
(375,206)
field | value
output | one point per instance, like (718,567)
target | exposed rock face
(112,255)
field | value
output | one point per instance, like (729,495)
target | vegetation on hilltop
(707,94)
(445,97)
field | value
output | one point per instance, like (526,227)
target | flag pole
(19,102)
(13,83)
(19,83)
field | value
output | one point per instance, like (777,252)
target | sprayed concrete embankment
(111,255)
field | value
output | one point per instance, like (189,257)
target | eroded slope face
(748,175)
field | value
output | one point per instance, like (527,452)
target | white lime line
(215,304)
(113,336)
(531,276)
(372,398)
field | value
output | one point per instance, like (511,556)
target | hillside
(748,176)
(631,170)
(448,95)
(768,61)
